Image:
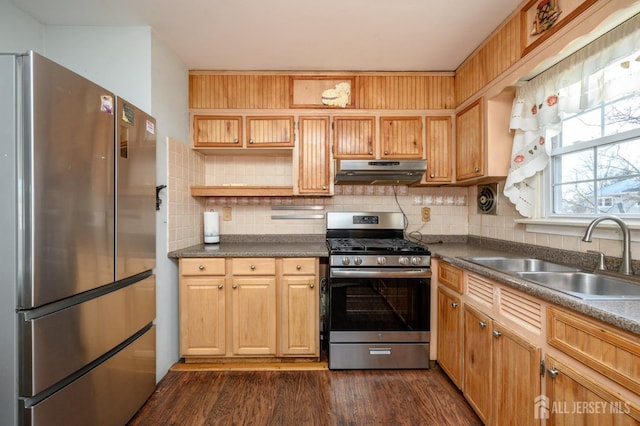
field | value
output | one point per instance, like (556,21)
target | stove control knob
(382,260)
(345,260)
(357,260)
(403,260)
(416,260)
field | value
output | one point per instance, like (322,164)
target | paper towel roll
(211,227)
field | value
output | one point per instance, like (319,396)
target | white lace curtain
(605,69)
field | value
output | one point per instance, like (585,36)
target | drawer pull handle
(483,324)
(201,267)
(379,351)
(253,267)
(496,333)
(454,305)
(298,267)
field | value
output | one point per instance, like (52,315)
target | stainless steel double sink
(566,279)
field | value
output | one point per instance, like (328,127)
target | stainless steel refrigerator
(77,248)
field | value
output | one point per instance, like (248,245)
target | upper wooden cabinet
(221,131)
(313,160)
(470,141)
(269,131)
(221,90)
(217,131)
(439,140)
(401,137)
(483,139)
(354,137)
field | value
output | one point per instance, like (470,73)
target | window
(595,161)
(577,124)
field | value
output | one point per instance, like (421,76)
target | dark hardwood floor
(320,397)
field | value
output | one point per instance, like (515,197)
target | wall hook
(158,200)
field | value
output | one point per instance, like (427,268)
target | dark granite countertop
(624,314)
(259,246)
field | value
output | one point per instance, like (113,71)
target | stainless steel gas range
(379,293)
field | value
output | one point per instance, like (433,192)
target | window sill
(576,227)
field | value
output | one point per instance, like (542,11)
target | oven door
(379,321)
(379,305)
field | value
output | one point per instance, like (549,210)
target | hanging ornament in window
(547,14)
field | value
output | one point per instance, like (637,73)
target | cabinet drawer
(253,266)
(608,351)
(299,266)
(450,276)
(200,266)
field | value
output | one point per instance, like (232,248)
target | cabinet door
(299,322)
(217,131)
(401,137)
(568,390)
(450,335)
(477,362)
(470,142)
(313,162)
(516,378)
(354,137)
(269,132)
(439,141)
(253,307)
(202,316)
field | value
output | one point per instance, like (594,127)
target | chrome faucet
(625,267)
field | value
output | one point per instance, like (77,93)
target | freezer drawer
(59,344)
(108,395)
(362,356)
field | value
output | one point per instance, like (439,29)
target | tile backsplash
(453,209)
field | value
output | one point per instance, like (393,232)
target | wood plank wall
(503,49)
(243,91)
(212,90)
(405,92)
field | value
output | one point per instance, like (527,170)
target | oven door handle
(379,273)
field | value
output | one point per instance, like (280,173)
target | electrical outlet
(426,214)
(226,213)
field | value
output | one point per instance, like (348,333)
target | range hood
(379,172)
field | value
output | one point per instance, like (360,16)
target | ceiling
(340,35)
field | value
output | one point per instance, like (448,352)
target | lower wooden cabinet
(516,378)
(249,307)
(450,335)
(202,307)
(253,313)
(501,371)
(575,398)
(478,356)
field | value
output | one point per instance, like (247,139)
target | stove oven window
(389,304)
